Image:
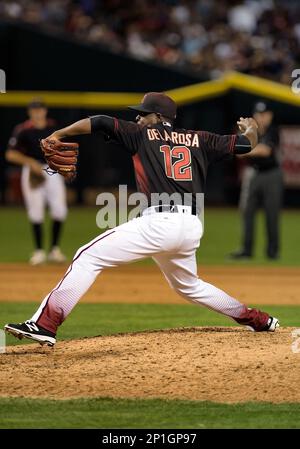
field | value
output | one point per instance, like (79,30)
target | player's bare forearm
(248,128)
(75,129)
(251,135)
(16,157)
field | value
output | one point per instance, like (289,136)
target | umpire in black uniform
(262,185)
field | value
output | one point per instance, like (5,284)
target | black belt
(172,209)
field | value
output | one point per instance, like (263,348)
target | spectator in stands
(207,36)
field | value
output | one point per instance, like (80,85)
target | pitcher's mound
(223,364)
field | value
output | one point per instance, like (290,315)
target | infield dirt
(218,364)
(146,284)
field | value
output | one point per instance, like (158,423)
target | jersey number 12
(181,169)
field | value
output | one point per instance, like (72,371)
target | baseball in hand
(245,123)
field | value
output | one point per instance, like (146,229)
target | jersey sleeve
(217,146)
(17,140)
(129,134)
(242,145)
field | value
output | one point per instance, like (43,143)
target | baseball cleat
(56,255)
(38,257)
(271,326)
(29,329)
(238,255)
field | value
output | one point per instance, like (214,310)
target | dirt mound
(205,363)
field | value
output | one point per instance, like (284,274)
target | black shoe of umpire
(240,255)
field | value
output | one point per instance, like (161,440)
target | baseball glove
(61,157)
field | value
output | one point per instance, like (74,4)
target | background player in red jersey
(166,161)
(38,189)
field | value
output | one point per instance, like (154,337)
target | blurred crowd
(260,37)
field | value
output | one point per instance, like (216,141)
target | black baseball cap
(36,103)
(261,106)
(158,103)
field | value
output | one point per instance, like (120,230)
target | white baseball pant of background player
(52,193)
(171,239)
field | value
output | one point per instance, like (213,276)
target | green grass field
(222,230)
(89,320)
(106,319)
(221,235)
(145,414)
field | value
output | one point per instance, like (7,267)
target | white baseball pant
(52,193)
(171,239)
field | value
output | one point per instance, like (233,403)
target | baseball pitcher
(166,160)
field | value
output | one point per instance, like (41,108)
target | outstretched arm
(249,129)
(124,132)
(88,125)
(75,129)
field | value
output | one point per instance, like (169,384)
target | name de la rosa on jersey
(187,139)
